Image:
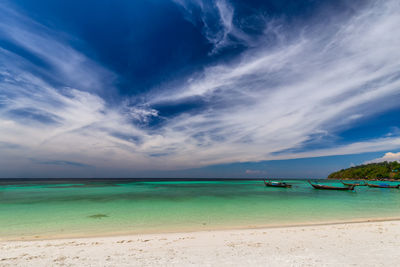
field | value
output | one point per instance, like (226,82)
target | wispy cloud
(254,172)
(42,116)
(61,163)
(276,99)
(217,21)
(269,100)
(48,54)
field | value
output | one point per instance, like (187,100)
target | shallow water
(76,208)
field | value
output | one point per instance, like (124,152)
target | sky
(190,88)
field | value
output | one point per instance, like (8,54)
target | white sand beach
(351,244)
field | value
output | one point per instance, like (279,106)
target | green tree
(369,171)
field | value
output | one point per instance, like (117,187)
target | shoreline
(363,179)
(340,244)
(190,231)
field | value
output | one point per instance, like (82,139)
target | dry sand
(353,244)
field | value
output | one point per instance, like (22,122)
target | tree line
(379,170)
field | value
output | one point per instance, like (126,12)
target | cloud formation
(276,99)
(216,19)
(389,156)
(265,104)
(254,172)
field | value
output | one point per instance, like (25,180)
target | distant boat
(383,186)
(277,184)
(328,187)
(356,184)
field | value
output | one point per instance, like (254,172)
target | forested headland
(381,170)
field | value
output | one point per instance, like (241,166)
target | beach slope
(360,244)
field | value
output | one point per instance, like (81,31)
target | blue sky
(189,88)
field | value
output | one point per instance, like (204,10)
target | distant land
(381,170)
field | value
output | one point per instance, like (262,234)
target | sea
(57,208)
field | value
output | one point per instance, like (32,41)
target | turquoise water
(36,210)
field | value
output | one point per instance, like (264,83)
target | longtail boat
(356,184)
(277,184)
(384,186)
(328,187)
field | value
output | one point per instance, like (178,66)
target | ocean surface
(42,209)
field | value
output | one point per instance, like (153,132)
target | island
(372,171)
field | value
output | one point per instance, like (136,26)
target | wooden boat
(356,184)
(328,187)
(384,186)
(277,184)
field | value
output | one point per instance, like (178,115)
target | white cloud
(389,156)
(70,67)
(275,99)
(267,101)
(254,172)
(217,21)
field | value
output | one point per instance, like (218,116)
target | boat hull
(381,186)
(327,187)
(355,184)
(281,185)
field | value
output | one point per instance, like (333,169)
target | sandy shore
(360,244)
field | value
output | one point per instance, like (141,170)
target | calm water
(91,208)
